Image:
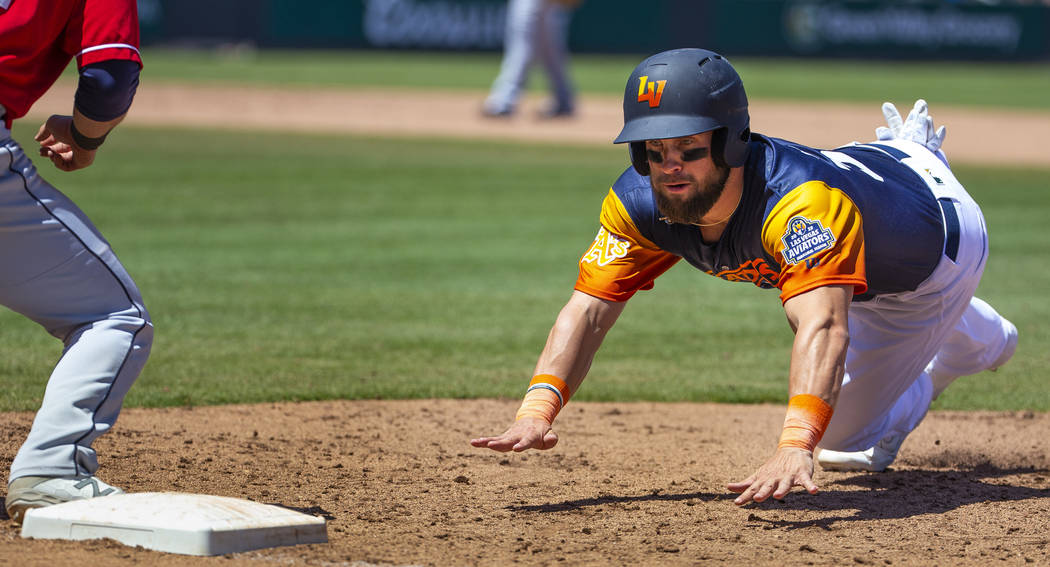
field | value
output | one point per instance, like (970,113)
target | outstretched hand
(789,467)
(918,127)
(56,143)
(526,433)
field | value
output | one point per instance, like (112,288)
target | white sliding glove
(918,127)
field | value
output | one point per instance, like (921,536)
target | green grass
(288,267)
(1012,85)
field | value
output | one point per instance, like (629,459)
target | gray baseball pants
(57,270)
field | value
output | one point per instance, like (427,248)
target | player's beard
(689,209)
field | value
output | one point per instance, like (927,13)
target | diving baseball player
(55,267)
(875,249)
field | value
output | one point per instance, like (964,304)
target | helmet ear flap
(718,147)
(638,157)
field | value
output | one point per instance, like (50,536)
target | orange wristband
(545,397)
(807,419)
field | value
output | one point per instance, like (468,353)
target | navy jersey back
(880,226)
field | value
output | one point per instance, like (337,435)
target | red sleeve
(104,30)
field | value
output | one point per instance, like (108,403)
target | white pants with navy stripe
(894,337)
(56,269)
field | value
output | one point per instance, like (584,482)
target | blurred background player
(55,267)
(876,250)
(536,29)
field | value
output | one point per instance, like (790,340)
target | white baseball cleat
(38,491)
(875,459)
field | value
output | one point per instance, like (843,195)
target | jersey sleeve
(620,261)
(816,234)
(104,30)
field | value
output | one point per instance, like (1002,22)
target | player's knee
(134,322)
(143,341)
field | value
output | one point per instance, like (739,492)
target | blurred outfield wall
(813,28)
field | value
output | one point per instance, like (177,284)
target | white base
(190,524)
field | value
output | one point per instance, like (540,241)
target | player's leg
(884,388)
(518,50)
(553,50)
(56,269)
(888,390)
(982,340)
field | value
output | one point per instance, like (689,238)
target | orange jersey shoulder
(815,232)
(620,261)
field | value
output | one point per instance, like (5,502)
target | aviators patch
(804,239)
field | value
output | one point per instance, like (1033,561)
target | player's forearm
(818,355)
(820,320)
(817,359)
(574,339)
(104,94)
(94,128)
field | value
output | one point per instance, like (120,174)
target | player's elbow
(106,89)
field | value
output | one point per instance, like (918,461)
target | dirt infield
(975,135)
(629,484)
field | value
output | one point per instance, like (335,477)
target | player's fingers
(745,496)
(550,439)
(57,147)
(42,134)
(920,110)
(60,162)
(883,133)
(893,117)
(749,494)
(741,486)
(917,116)
(66,153)
(783,487)
(500,443)
(764,491)
(528,439)
(58,125)
(806,482)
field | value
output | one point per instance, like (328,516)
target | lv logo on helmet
(651,94)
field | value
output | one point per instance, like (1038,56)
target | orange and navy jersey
(807,218)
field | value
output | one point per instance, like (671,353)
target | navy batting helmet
(684,92)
